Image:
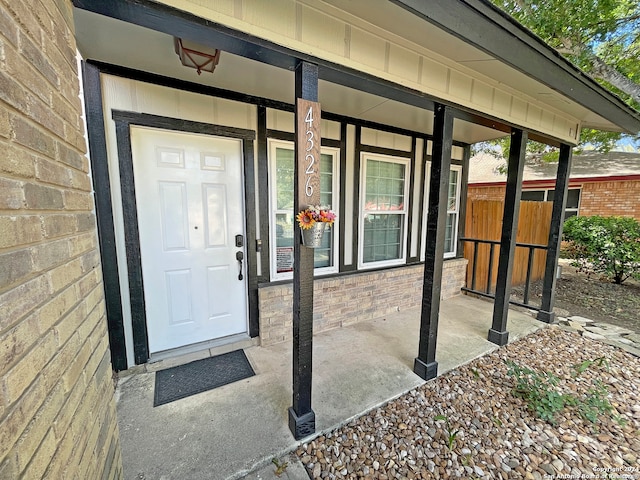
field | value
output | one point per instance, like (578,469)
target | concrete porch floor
(232,430)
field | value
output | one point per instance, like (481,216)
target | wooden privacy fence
(483,229)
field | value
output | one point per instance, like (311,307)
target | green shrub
(606,245)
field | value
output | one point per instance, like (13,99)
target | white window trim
(453,254)
(364,156)
(546,197)
(335,153)
(425,204)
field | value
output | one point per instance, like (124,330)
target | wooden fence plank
(484,222)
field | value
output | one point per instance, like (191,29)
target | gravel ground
(497,436)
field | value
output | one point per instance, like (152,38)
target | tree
(600,36)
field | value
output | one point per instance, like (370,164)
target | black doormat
(199,376)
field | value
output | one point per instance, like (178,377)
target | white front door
(189,197)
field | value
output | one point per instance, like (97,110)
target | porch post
(306,191)
(425,364)
(498,333)
(555,235)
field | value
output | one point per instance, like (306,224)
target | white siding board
(277,16)
(434,75)
(403,63)
(329,129)
(367,49)
(534,115)
(460,86)
(519,109)
(321,30)
(501,102)
(482,94)
(279,120)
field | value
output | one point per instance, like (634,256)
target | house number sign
(308,132)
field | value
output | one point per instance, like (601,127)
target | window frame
(425,206)
(272,146)
(456,212)
(364,156)
(546,191)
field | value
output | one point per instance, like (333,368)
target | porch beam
(555,235)
(425,364)
(302,419)
(498,333)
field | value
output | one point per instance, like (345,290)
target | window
(281,162)
(453,211)
(383,211)
(547,195)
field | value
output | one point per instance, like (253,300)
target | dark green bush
(606,245)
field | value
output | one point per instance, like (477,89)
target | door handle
(239,258)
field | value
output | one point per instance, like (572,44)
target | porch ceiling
(113,41)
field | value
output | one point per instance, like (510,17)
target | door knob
(239,258)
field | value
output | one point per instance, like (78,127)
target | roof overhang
(480,46)
(481,24)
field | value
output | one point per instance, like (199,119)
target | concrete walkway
(238,429)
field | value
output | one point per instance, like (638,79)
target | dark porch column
(498,333)
(425,364)
(555,235)
(302,419)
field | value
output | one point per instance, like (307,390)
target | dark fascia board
(479,23)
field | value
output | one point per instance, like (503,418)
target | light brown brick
(19,417)
(5,125)
(62,423)
(15,342)
(18,379)
(65,274)
(16,266)
(50,254)
(59,225)
(22,299)
(53,173)
(44,116)
(74,200)
(39,426)
(50,313)
(27,134)
(17,161)
(69,324)
(11,194)
(42,457)
(12,92)
(40,197)
(76,368)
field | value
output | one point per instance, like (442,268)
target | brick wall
(340,301)
(621,197)
(611,198)
(485,193)
(57,409)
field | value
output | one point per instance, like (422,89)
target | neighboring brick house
(600,184)
(57,408)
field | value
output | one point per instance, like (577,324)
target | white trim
(453,253)
(272,145)
(405,211)
(427,185)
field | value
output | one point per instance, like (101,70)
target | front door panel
(189,198)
